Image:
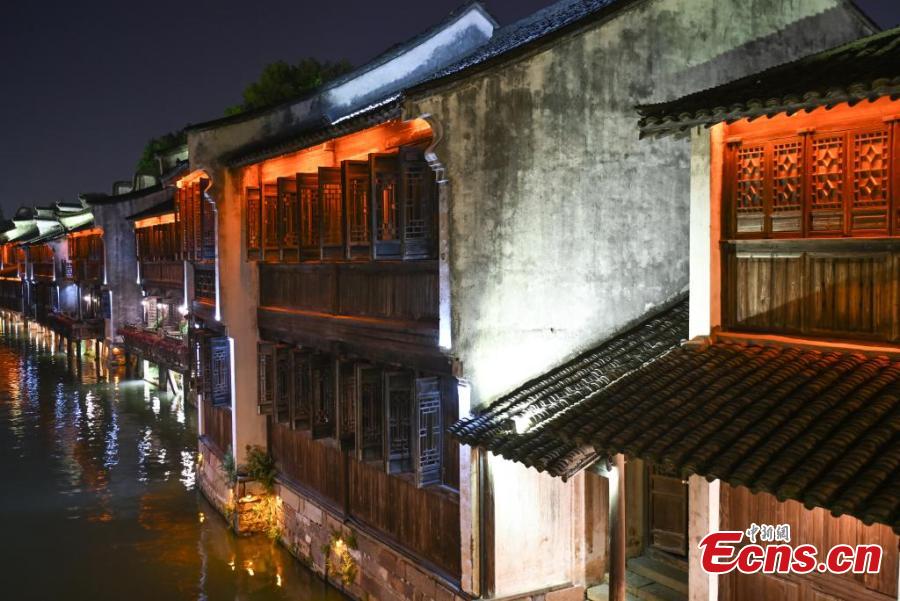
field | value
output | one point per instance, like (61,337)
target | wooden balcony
(84,270)
(74,329)
(385,310)
(42,271)
(830,288)
(162,274)
(162,349)
(11,294)
(424,522)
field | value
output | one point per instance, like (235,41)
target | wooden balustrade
(424,521)
(834,288)
(389,290)
(309,463)
(162,273)
(217,425)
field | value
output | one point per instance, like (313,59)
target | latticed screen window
(253,215)
(330,201)
(307,197)
(428,431)
(355,176)
(347,389)
(384,186)
(322,396)
(814,184)
(371,414)
(220,372)
(399,401)
(300,399)
(287,202)
(270,221)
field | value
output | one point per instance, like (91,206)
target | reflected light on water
(106,471)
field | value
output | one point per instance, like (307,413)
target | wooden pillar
(617,542)
(703,518)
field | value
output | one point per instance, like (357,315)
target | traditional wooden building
(782,407)
(794,222)
(564,230)
(161,335)
(424,234)
(143,312)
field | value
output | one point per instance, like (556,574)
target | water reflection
(100,494)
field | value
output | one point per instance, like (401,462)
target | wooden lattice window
(253,222)
(417,199)
(428,431)
(871,181)
(307,198)
(330,208)
(322,396)
(288,212)
(348,393)
(283,385)
(399,405)
(370,409)
(829,183)
(355,176)
(300,403)
(270,221)
(220,370)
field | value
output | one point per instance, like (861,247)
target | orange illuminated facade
(367,195)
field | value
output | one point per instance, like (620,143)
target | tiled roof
(310,135)
(556,17)
(866,69)
(105,199)
(162,208)
(535,407)
(822,428)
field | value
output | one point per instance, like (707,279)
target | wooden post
(617,529)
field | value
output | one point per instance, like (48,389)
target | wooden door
(668,511)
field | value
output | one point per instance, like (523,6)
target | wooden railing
(217,425)
(42,270)
(165,273)
(424,521)
(836,288)
(83,270)
(310,463)
(74,329)
(389,290)
(160,348)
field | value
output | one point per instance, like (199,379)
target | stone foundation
(381,573)
(212,481)
(359,564)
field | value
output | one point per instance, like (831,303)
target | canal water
(99,500)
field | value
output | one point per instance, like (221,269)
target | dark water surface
(98,499)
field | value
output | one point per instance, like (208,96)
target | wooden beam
(617,541)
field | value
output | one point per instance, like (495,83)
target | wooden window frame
(848,132)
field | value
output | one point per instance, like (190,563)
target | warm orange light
(94,231)
(191,178)
(158,220)
(386,137)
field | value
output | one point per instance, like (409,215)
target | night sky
(86,84)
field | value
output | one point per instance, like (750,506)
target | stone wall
(212,481)
(382,572)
